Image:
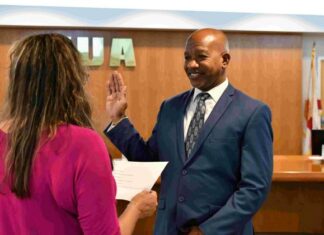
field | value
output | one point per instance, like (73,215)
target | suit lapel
(180,131)
(213,118)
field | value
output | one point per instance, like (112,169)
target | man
(218,145)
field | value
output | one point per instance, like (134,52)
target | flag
(313,107)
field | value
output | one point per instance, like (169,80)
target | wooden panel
(292,163)
(296,197)
(297,168)
(158,74)
(292,207)
(266,66)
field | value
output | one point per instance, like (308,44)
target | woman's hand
(145,203)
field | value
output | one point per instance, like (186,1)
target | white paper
(315,157)
(134,177)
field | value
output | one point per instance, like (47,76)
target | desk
(296,168)
(296,201)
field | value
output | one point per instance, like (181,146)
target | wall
(267,66)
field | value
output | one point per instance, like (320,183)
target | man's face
(204,63)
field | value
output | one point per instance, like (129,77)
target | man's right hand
(116,103)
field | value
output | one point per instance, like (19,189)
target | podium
(296,200)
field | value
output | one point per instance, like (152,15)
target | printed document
(134,177)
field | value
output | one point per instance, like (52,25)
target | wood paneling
(296,201)
(266,66)
(292,163)
(292,207)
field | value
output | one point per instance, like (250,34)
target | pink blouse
(72,188)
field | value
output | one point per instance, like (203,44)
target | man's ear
(226,59)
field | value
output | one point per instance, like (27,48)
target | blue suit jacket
(228,174)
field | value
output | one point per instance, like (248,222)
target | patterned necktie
(196,123)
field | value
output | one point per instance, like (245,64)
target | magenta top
(72,188)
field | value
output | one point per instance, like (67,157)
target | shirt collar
(215,92)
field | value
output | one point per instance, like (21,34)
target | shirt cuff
(112,125)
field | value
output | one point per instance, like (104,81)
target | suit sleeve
(127,139)
(256,174)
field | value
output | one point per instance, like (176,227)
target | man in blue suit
(217,140)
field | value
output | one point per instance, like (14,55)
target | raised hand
(116,103)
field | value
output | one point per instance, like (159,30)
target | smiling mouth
(194,75)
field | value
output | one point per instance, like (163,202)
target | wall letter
(122,49)
(97,50)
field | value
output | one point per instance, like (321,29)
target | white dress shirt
(215,93)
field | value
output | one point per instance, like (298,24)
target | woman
(55,171)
